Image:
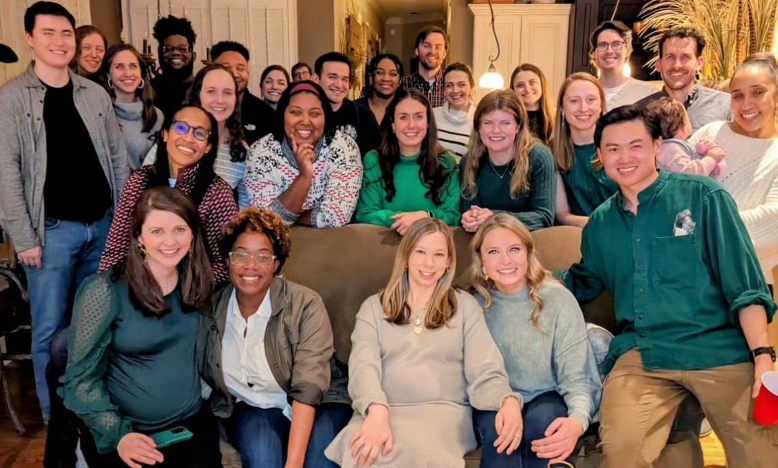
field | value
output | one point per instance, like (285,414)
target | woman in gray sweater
(539,328)
(133,100)
(421,357)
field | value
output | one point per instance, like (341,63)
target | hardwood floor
(26,451)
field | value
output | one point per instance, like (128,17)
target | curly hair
(259,221)
(172,26)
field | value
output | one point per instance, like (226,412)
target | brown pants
(638,407)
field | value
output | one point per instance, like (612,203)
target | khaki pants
(638,407)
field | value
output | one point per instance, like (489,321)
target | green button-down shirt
(677,296)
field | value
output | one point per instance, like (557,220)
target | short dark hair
(259,221)
(331,57)
(301,65)
(45,8)
(229,46)
(682,32)
(173,26)
(424,33)
(620,28)
(626,114)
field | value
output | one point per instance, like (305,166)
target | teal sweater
(561,359)
(411,194)
(586,187)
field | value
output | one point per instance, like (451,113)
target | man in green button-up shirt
(691,301)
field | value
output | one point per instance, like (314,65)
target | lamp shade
(491,79)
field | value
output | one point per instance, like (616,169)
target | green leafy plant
(733,29)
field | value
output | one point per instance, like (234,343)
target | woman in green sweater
(132,369)
(506,170)
(410,176)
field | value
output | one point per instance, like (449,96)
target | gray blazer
(23,151)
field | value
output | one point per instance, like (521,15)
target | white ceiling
(405,7)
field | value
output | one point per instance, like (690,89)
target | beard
(181,74)
(427,67)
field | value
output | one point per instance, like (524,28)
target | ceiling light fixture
(491,79)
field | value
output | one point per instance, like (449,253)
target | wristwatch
(763,350)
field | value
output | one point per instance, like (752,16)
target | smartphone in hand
(171,436)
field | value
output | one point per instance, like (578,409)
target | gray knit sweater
(561,359)
(138,142)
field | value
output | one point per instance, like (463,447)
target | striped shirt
(454,128)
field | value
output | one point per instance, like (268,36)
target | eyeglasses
(243,258)
(615,46)
(182,128)
(301,75)
(173,49)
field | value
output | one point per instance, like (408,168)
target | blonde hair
(443,303)
(507,101)
(536,274)
(562,144)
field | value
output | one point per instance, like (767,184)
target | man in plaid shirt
(431,49)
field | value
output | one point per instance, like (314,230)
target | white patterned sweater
(752,180)
(337,177)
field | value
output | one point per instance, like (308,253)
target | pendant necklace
(417,326)
(507,168)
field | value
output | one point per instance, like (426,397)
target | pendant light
(491,79)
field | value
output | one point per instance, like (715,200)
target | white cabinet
(268,28)
(529,33)
(12,30)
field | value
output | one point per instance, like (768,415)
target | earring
(142,83)
(143,251)
(110,83)
(486,276)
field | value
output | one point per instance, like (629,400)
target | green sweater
(411,194)
(127,372)
(535,207)
(585,186)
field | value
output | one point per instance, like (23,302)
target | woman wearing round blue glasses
(185,162)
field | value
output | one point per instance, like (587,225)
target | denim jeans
(261,435)
(538,415)
(72,253)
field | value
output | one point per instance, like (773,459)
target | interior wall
(460,32)
(315,29)
(107,17)
(366,11)
(400,35)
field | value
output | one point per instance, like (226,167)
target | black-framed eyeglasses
(243,258)
(182,128)
(179,49)
(615,46)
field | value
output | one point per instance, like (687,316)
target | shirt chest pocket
(676,261)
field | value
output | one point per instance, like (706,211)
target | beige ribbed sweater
(752,180)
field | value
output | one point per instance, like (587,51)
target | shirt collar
(233,311)
(31,80)
(646,195)
(690,98)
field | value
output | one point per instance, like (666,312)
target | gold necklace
(417,327)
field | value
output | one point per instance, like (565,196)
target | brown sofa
(348,264)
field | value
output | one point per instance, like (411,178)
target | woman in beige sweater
(421,357)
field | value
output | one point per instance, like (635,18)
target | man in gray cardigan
(63,167)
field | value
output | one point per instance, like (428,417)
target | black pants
(201,451)
(62,433)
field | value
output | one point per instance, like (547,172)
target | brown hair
(144,93)
(443,303)
(195,274)
(562,144)
(507,101)
(259,221)
(764,60)
(670,114)
(81,33)
(547,125)
(536,274)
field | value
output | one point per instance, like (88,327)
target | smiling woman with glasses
(269,344)
(186,152)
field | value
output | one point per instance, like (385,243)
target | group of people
(157,210)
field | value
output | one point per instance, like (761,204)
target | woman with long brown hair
(506,169)
(127,81)
(539,328)
(582,185)
(530,85)
(131,366)
(421,356)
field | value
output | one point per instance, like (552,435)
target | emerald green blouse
(585,186)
